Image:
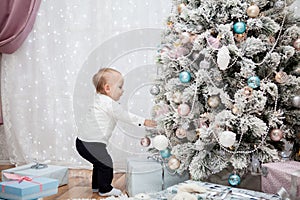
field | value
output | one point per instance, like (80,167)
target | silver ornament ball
(154,90)
(296,101)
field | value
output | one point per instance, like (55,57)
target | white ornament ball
(173,163)
(227,138)
(183,109)
(296,101)
(160,142)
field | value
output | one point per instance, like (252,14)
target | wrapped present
(146,175)
(282,174)
(60,173)
(24,187)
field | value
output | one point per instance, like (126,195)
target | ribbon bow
(17,177)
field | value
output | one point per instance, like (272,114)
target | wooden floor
(79,186)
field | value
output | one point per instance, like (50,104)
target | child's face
(116,86)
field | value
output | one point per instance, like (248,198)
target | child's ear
(106,88)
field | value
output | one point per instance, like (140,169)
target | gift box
(144,175)
(282,174)
(60,173)
(28,188)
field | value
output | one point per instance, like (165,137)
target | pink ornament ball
(145,141)
(276,135)
(183,109)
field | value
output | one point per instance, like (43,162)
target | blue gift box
(60,173)
(36,188)
(144,175)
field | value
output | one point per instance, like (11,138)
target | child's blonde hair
(101,78)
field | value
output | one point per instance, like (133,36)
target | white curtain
(46,84)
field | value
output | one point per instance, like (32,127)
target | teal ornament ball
(239,27)
(253,82)
(185,77)
(166,153)
(234,179)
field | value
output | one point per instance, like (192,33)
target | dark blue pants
(96,153)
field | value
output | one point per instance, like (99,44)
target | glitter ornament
(183,109)
(296,71)
(248,91)
(227,138)
(154,90)
(276,135)
(255,166)
(170,24)
(202,124)
(239,27)
(178,52)
(159,110)
(214,42)
(281,77)
(173,163)
(253,82)
(185,37)
(160,142)
(234,179)
(235,110)
(296,101)
(279,4)
(181,133)
(253,11)
(204,64)
(166,153)
(185,77)
(177,97)
(240,37)
(214,101)
(145,142)
(297,44)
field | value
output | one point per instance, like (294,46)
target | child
(98,126)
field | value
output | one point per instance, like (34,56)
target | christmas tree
(227,91)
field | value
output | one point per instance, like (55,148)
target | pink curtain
(16,21)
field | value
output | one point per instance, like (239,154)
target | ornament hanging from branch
(253,11)
(223,58)
(160,142)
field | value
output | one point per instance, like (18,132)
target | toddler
(98,126)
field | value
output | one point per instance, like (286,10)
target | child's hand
(150,123)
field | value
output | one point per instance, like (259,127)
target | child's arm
(119,113)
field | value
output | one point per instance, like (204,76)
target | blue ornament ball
(234,179)
(239,27)
(166,153)
(253,82)
(185,77)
